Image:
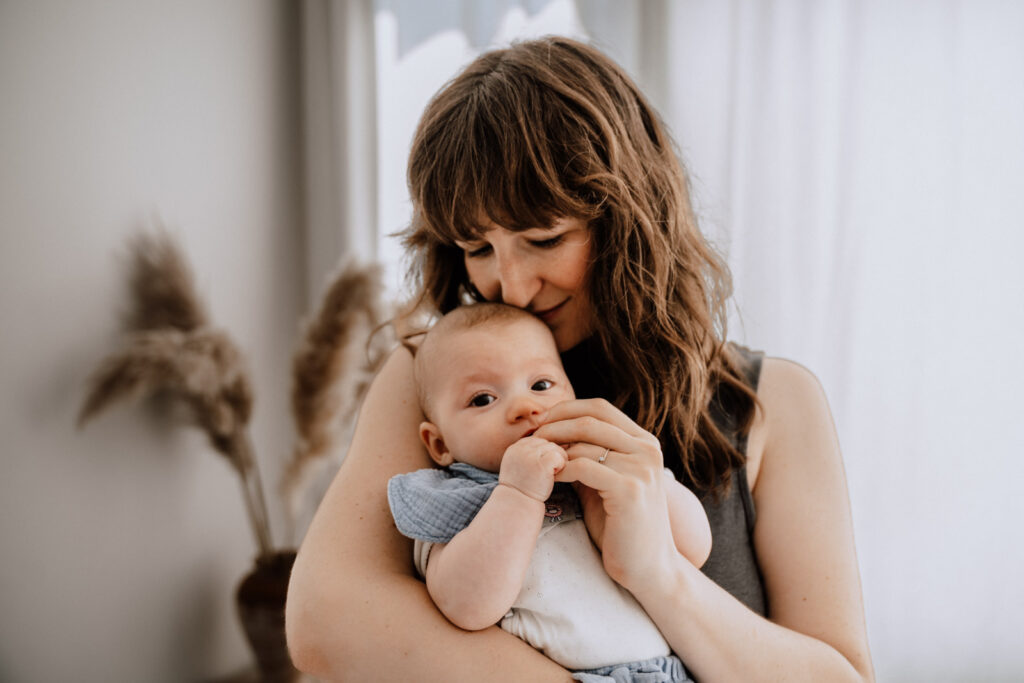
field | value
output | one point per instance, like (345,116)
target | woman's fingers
(602,455)
(597,408)
(593,439)
(619,465)
(594,421)
(593,512)
(588,430)
(622,493)
(589,473)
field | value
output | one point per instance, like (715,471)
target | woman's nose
(518,282)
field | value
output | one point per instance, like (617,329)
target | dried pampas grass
(342,345)
(161,285)
(203,368)
(171,349)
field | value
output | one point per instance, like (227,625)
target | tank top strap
(751,366)
(733,563)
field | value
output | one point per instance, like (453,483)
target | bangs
(495,152)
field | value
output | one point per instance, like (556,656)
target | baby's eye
(542,385)
(481,400)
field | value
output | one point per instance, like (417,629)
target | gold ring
(604,456)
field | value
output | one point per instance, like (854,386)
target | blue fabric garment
(434,505)
(658,670)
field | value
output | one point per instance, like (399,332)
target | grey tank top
(732,563)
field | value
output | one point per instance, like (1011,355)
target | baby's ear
(434,442)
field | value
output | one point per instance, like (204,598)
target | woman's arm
(803,539)
(804,544)
(355,610)
(689,524)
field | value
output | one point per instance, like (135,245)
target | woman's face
(543,270)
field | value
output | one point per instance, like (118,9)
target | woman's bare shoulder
(385,442)
(354,513)
(787,386)
(791,398)
(804,532)
(390,416)
(395,373)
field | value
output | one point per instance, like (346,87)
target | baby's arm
(690,526)
(475,578)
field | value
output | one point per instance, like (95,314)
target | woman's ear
(434,442)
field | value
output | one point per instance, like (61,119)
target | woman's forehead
(471,221)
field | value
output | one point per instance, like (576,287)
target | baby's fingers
(553,458)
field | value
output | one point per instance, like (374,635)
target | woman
(540,177)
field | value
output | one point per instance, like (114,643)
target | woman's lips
(548,314)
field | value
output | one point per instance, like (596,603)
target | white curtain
(339,86)
(862,165)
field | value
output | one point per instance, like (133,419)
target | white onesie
(569,608)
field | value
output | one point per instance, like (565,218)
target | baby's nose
(524,408)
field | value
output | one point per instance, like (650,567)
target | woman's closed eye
(476,251)
(548,242)
(485,249)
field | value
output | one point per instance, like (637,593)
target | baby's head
(486,373)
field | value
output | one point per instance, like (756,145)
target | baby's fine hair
(459,319)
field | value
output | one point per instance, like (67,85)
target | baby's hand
(530,465)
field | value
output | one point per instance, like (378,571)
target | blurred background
(861,164)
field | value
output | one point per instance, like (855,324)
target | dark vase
(260,599)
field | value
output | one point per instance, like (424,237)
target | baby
(496,538)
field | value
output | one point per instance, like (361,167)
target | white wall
(864,162)
(122,543)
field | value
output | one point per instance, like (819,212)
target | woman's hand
(618,466)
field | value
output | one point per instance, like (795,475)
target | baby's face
(492,385)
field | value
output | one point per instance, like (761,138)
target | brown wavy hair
(551,128)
